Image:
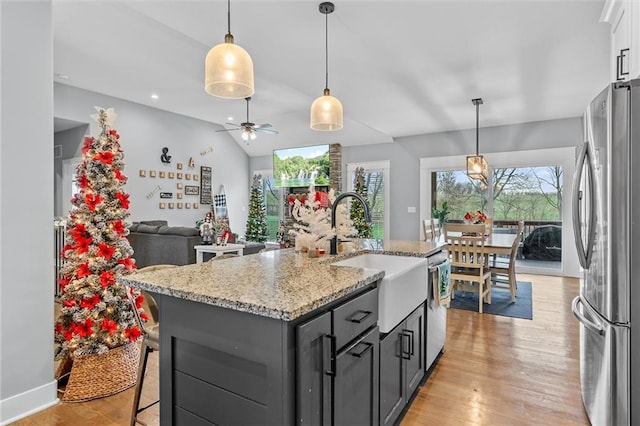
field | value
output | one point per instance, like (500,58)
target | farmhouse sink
(402,289)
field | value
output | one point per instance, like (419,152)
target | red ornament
(107,278)
(124,199)
(104,157)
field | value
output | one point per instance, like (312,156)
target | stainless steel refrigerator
(606,221)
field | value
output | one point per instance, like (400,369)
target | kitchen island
(241,338)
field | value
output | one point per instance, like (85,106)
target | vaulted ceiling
(399,67)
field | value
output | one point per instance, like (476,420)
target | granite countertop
(280,284)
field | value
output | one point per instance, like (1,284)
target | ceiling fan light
(326,113)
(245,135)
(228,71)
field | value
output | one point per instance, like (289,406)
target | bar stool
(150,343)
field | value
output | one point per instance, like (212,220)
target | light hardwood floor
(495,371)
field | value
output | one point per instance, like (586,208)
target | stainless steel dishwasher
(436,316)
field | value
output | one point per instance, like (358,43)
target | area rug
(500,302)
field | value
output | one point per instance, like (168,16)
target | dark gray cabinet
(337,365)
(401,365)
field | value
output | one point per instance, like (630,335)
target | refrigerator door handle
(584,253)
(591,325)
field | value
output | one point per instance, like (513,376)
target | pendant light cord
(477,129)
(326,50)
(228,16)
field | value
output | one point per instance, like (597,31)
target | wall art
(196,177)
(179,166)
(179,195)
(165,157)
(205,185)
(179,185)
(187,176)
(142,173)
(187,206)
(171,175)
(162,205)
(161,175)
(179,175)
(152,173)
(191,190)
(166,195)
(195,205)
(179,205)
(170,205)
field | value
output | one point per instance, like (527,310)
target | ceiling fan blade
(266,131)
(226,130)
(262,126)
(232,124)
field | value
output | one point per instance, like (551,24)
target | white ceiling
(399,67)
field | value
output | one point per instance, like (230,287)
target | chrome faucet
(367,215)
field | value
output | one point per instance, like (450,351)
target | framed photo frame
(162,205)
(171,205)
(161,175)
(179,195)
(179,185)
(179,175)
(142,173)
(179,166)
(179,205)
(191,190)
(171,175)
(187,176)
(187,205)
(196,177)
(152,173)
(195,205)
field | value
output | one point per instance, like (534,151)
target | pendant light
(477,167)
(326,111)
(228,68)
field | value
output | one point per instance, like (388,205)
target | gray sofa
(156,243)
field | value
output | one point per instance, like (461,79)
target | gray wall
(405,153)
(26,190)
(144,131)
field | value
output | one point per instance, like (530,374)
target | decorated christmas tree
(257,220)
(96,313)
(357,209)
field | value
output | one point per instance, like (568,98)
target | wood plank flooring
(495,371)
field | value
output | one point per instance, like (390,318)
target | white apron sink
(402,289)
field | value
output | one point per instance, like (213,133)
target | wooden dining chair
(469,269)
(427,229)
(150,341)
(503,270)
(488,226)
(436,228)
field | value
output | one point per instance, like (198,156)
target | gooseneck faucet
(367,215)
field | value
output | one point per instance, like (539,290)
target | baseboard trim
(28,403)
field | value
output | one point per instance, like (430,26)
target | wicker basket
(96,376)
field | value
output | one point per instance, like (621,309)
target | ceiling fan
(250,129)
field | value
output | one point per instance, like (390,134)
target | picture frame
(187,176)
(196,177)
(171,175)
(161,175)
(171,205)
(162,205)
(191,190)
(195,205)
(152,173)
(179,185)
(179,195)
(179,175)
(187,205)
(142,173)
(179,166)
(179,205)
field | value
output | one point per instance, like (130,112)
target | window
(522,185)
(377,175)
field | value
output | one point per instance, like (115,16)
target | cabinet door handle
(620,72)
(362,352)
(332,354)
(406,354)
(360,316)
(411,342)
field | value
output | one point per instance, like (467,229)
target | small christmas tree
(312,226)
(357,209)
(257,220)
(96,312)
